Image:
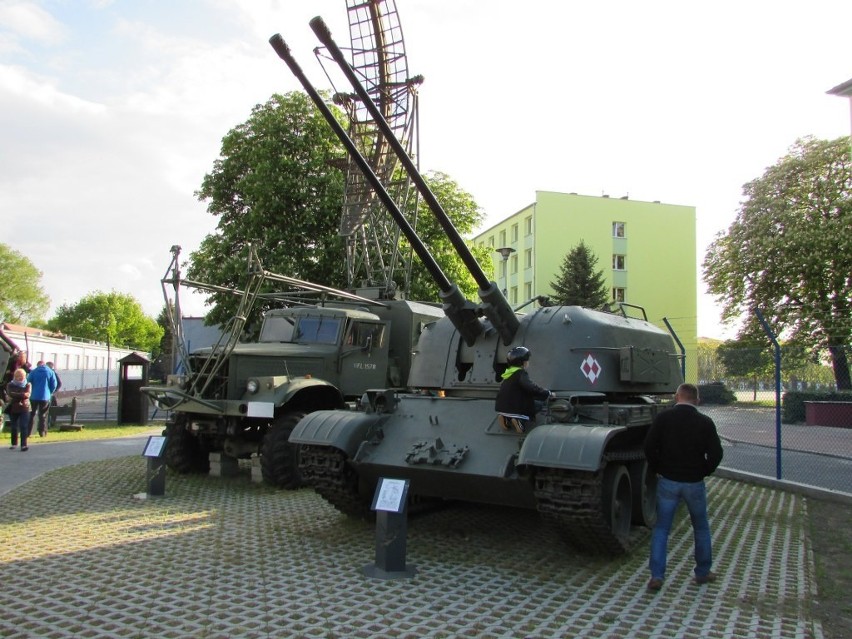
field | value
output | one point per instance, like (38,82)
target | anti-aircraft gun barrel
(461,313)
(495,306)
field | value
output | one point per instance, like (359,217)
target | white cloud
(108,131)
(27,86)
(28,20)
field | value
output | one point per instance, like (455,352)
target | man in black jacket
(516,397)
(682,448)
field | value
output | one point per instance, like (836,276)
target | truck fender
(568,446)
(320,390)
(336,428)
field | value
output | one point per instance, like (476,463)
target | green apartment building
(646,251)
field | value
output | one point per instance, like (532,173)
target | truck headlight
(252,385)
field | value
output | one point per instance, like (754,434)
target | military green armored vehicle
(241,399)
(581,465)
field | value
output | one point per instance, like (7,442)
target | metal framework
(378,57)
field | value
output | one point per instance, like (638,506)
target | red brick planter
(837,414)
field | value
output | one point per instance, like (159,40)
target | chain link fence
(780,414)
(806,437)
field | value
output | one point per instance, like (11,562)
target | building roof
(844,90)
(20,328)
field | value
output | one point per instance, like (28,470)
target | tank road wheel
(279,461)
(184,452)
(618,502)
(644,484)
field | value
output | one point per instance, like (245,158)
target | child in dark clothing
(516,399)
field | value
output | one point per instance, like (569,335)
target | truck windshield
(277,328)
(319,330)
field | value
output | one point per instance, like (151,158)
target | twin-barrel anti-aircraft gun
(581,465)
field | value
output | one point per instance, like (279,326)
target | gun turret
(463,313)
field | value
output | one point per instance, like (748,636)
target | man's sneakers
(655,585)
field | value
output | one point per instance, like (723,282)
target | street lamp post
(505,252)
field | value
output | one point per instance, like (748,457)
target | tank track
(572,500)
(325,470)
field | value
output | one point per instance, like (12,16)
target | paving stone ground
(220,558)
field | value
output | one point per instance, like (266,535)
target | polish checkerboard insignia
(590,368)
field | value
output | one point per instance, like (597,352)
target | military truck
(581,465)
(240,399)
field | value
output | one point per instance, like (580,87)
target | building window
(618,295)
(528,226)
(514,232)
(502,268)
(502,238)
(491,241)
(513,295)
(514,268)
(528,258)
(527,291)
(618,229)
(618,262)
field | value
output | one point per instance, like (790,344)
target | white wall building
(81,364)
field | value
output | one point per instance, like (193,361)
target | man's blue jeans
(669,495)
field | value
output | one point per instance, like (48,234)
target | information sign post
(389,503)
(155,475)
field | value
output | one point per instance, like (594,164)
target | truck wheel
(644,484)
(279,461)
(184,453)
(617,501)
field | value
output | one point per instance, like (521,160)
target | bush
(793,402)
(716,393)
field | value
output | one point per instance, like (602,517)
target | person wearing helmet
(516,399)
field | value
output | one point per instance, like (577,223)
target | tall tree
(789,251)
(274,186)
(578,284)
(466,215)
(22,299)
(747,358)
(114,317)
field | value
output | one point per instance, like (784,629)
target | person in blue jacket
(44,384)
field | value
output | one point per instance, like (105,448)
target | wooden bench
(68,410)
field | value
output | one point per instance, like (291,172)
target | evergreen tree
(578,284)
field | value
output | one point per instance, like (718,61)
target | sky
(112,112)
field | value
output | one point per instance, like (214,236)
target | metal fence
(756,439)
(779,413)
(102,405)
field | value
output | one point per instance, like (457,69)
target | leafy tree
(273,186)
(747,358)
(22,299)
(789,252)
(162,363)
(466,215)
(114,317)
(578,284)
(710,367)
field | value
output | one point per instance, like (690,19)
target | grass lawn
(97,430)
